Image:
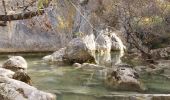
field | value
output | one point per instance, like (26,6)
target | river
(71,84)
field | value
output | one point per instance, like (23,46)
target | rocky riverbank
(15,83)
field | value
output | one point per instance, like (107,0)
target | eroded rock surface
(11,89)
(124,78)
(6,73)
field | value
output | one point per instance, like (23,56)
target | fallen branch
(21,16)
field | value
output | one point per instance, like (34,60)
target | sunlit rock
(15,63)
(124,78)
(11,89)
(6,73)
(103,46)
(78,51)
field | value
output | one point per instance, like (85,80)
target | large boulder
(79,51)
(11,89)
(15,63)
(124,78)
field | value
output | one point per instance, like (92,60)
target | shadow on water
(71,84)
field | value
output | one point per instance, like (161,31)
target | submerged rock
(92,66)
(15,63)
(11,89)
(124,78)
(77,51)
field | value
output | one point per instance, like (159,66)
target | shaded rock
(22,76)
(161,53)
(124,78)
(78,51)
(162,67)
(11,89)
(6,73)
(134,59)
(15,63)
(117,43)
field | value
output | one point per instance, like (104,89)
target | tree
(25,14)
(140,20)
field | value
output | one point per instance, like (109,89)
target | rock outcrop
(11,89)
(124,78)
(12,86)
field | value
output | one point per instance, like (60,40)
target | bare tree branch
(21,16)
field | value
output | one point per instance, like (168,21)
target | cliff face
(47,32)
(62,21)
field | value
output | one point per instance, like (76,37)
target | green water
(71,84)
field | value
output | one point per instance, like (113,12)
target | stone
(15,63)
(11,89)
(78,51)
(6,73)
(124,78)
(56,57)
